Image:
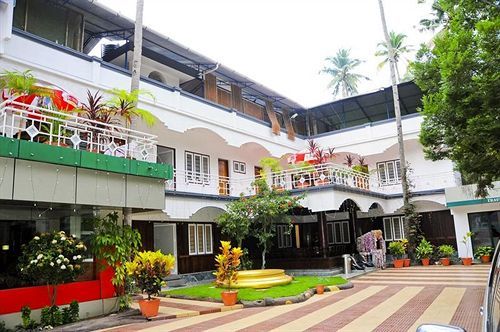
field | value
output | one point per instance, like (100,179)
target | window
(239,167)
(389,172)
(394,228)
(56,23)
(165,155)
(200,239)
(284,236)
(197,168)
(338,232)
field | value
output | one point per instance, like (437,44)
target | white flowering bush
(52,259)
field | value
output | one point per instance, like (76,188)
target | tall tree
(460,81)
(436,21)
(341,68)
(397,41)
(399,126)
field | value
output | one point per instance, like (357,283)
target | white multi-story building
(215,125)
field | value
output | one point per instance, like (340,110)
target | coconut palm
(344,79)
(399,48)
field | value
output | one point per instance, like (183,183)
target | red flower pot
(320,289)
(407,262)
(467,261)
(229,298)
(425,261)
(398,263)
(445,261)
(149,308)
(485,259)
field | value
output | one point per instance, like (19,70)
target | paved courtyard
(389,300)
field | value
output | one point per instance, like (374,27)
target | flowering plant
(148,269)
(52,258)
(227,263)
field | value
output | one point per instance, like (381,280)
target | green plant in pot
(397,250)
(227,263)
(484,253)
(467,260)
(424,251)
(445,252)
(148,269)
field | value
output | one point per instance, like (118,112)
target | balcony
(311,177)
(59,157)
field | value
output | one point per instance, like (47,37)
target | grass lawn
(298,285)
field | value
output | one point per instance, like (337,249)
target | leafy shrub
(446,251)
(148,269)
(397,248)
(424,249)
(484,251)
(52,258)
(227,263)
(51,316)
(71,314)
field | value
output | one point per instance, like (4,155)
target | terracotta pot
(425,261)
(398,263)
(485,259)
(320,289)
(445,261)
(467,261)
(149,308)
(407,262)
(229,298)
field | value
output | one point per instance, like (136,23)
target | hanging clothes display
(373,243)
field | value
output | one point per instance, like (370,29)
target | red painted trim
(12,300)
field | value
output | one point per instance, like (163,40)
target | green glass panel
(104,162)
(144,168)
(49,153)
(9,147)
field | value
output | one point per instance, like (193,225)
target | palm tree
(399,48)
(344,79)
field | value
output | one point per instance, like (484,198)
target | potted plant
(467,260)
(424,251)
(397,249)
(445,251)
(484,253)
(227,263)
(148,269)
(406,260)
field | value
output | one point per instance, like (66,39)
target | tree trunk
(397,110)
(263,258)
(136,75)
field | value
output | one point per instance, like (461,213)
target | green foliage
(446,250)
(397,248)
(464,240)
(270,164)
(148,269)
(424,249)
(341,68)
(19,82)
(115,245)
(124,104)
(397,41)
(235,222)
(227,264)
(28,323)
(298,285)
(51,316)
(460,81)
(52,258)
(484,251)
(71,313)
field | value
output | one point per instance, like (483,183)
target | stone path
(389,300)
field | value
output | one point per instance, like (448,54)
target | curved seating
(261,278)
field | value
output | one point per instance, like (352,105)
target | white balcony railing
(299,178)
(66,129)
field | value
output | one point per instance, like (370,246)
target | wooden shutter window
(236,98)
(288,124)
(272,116)
(210,87)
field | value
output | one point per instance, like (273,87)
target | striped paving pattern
(388,300)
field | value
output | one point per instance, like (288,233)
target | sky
(283,44)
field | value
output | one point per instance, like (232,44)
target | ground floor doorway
(165,239)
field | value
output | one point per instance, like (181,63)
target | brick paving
(389,300)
